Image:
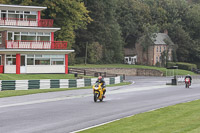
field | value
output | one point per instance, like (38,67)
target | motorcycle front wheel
(101,99)
(186,85)
(95,97)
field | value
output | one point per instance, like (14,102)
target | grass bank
(37,76)
(180,118)
(179,72)
(10,93)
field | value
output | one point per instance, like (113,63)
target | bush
(198,65)
(171,64)
(186,66)
(80,60)
(182,65)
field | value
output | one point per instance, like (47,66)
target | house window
(42,61)
(30,59)
(45,59)
(157,59)
(29,36)
(160,48)
(10,36)
(57,61)
(157,49)
(0,38)
(10,59)
(43,36)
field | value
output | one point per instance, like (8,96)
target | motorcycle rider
(188,76)
(101,80)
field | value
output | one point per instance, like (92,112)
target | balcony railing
(36,44)
(26,22)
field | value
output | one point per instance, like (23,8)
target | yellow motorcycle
(98,92)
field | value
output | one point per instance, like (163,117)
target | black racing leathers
(103,85)
(189,78)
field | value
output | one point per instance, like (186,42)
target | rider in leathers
(101,80)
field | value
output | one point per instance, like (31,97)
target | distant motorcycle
(187,82)
(98,92)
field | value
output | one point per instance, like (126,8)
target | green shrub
(186,66)
(198,65)
(182,65)
(80,60)
(171,64)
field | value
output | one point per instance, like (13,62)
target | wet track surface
(68,111)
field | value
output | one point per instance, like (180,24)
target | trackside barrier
(180,79)
(53,83)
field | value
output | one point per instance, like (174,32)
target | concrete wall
(10,69)
(128,71)
(45,69)
(37,69)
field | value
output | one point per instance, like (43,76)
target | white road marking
(120,119)
(45,100)
(136,89)
(94,126)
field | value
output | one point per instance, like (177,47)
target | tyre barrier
(53,83)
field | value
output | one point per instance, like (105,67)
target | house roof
(25,29)
(162,39)
(21,8)
(34,51)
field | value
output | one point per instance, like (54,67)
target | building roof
(129,51)
(26,29)
(34,51)
(162,39)
(21,8)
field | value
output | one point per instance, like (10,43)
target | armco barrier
(8,85)
(53,83)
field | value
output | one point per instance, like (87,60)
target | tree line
(100,29)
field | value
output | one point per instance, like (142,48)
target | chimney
(166,31)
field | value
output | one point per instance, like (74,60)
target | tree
(104,30)
(95,53)
(132,15)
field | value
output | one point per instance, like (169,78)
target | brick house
(27,42)
(160,50)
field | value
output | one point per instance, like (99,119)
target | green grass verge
(37,76)
(179,72)
(180,118)
(10,93)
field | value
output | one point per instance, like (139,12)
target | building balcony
(36,45)
(26,22)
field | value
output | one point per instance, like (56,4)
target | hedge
(171,64)
(182,65)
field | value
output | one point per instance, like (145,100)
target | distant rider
(101,80)
(188,76)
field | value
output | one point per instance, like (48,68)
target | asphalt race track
(69,111)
